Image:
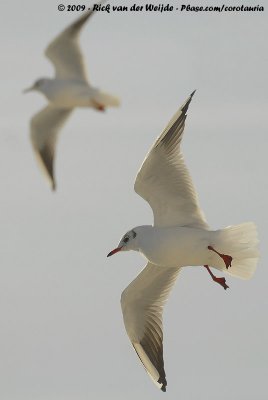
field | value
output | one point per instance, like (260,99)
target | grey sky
(61,330)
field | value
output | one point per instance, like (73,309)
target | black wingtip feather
(186,105)
(77,25)
(164,384)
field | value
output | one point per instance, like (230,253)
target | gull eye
(126,240)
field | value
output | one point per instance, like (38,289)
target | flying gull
(180,237)
(69,89)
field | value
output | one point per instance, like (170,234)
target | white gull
(180,237)
(69,89)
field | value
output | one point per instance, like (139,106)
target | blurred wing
(45,126)
(65,53)
(164,181)
(142,304)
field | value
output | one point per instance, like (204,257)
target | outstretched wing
(65,53)
(164,181)
(142,304)
(45,126)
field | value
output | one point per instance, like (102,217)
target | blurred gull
(69,89)
(179,237)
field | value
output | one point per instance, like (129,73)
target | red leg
(220,281)
(100,107)
(227,259)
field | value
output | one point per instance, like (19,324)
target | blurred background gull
(69,88)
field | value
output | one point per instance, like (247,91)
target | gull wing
(65,53)
(164,181)
(142,304)
(45,126)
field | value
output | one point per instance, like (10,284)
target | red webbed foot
(227,259)
(220,281)
(100,107)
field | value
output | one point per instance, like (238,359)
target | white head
(38,85)
(128,242)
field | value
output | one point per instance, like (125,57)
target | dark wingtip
(186,105)
(164,389)
(53,186)
(163,382)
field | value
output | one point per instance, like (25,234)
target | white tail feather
(107,99)
(241,243)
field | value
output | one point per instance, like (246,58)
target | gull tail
(107,99)
(241,243)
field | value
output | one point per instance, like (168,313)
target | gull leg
(227,259)
(220,281)
(98,106)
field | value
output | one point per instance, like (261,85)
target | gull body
(164,246)
(70,88)
(179,237)
(66,94)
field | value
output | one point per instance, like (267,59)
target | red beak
(114,251)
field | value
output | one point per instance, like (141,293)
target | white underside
(181,246)
(71,94)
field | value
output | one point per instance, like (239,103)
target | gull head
(38,85)
(128,242)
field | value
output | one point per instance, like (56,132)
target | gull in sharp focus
(180,237)
(69,89)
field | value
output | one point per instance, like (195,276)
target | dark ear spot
(134,234)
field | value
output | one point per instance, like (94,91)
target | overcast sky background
(61,329)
